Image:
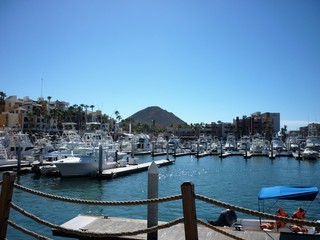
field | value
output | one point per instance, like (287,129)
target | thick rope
(93,202)
(218,230)
(95,234)
(257,213)
(26,231)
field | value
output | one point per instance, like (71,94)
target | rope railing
(94,202)
(192,197)
(95,234)
(28,232)
(218,230)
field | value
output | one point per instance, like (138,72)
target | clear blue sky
(204,61)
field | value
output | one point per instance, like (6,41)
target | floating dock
(117,225)
(129,169)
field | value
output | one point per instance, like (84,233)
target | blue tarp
(289,193)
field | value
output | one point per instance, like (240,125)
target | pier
(129,169)
(176,232)
(186,227)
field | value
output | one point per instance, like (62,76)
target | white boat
(81,166)
(309,153)
(277,144)
(299,194)
(258,147)
(84,162)
(244,144)
(20,142)
(141,143)
(5,161)
(231,143)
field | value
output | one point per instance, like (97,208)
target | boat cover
(289,193)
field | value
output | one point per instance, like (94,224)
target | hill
(161,117)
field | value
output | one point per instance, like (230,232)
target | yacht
(309,153)
(85,161)
(231,143)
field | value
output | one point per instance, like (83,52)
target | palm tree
(2,101)
(118,116)
(92,106)
(284,133)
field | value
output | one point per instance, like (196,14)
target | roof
(289,193)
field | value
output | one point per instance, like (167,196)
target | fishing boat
(276,193)
(84,161)
(8,163)
(309,153)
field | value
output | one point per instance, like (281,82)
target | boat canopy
(289,193)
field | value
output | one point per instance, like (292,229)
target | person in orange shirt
(281,213)
(299,214)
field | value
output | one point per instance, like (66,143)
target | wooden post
(100,159)
(19,157)
(153,186)
(167,151)
(198,148)
(189,211)
(8,179)
(246,154)
(153,143)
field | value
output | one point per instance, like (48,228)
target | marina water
(233,180)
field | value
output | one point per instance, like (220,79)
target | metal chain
(257,213)
(95,234)
(26,231)
(218,230)
(93,202)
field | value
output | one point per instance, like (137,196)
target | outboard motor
(227,218)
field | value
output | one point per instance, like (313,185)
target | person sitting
(226,218)
(299,214)
(267,225)
(281,213)
(298,228)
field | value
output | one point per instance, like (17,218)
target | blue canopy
(289,193)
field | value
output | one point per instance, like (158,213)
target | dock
(129,169)
(101,224)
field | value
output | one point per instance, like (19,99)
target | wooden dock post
(19,157)
(5,200)
(198,147)
(153,192)
(167,151)
(100,159)
(189,211)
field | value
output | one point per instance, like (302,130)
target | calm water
(233,180)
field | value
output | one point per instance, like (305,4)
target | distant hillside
(161,117)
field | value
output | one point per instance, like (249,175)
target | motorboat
(5,161)
(258,147)
(274,194)
(20,143)
(230,144)
(277,144)
(309,153)
(244,144)
(85,161)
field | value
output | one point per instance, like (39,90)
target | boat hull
(77,167)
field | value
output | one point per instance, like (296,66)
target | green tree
(2,101)
(283,133)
